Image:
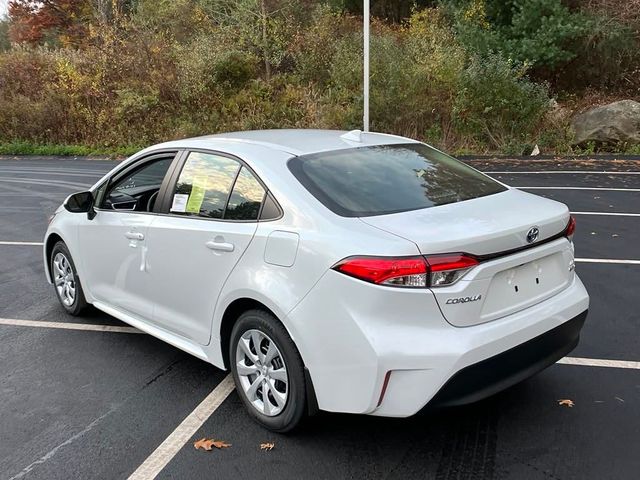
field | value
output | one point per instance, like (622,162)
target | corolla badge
(454,301)
(532,234)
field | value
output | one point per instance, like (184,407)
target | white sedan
(340,271)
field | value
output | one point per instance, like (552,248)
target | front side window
(138,189)
(379,180)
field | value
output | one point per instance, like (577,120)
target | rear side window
(215,186)
(386,179)
(204,185)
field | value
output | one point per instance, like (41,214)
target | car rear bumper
(356,338)
(506,369)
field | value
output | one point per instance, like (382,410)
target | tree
(60,22)
(5,43)
(260,22)
(111,11)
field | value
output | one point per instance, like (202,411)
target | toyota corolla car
(340,271)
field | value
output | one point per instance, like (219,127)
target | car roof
(293,141)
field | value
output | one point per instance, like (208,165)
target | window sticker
(179,202)
(197,195)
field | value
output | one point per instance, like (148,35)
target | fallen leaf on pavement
(267,446)
(203,443)
(208,444)
(221,444)
(566,403)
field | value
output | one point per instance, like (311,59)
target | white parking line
(50,183)
(608,214)
(580,188)
(608,260)
(33,244)
(168,449)
(595,362)
(544,172)
(68,326)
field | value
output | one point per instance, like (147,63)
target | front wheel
(268,371)
(66,281)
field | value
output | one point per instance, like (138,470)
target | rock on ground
(618,122)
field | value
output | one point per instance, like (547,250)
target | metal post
(366,66)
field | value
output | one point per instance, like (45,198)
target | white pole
(366,66)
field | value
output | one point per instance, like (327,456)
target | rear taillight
(399,272)
(571,228)
(412,272)
(448,269)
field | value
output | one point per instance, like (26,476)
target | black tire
(295,406)
(79,304)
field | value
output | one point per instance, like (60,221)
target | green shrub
(234,69)
(607,56)
(571,49)
(497,104)
(313,48)
(541,33)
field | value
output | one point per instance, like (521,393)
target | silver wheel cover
(64,279)
(262,372)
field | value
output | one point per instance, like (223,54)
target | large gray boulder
(618,122)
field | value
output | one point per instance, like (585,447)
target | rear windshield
(367,181)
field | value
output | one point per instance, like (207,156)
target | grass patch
(29,148)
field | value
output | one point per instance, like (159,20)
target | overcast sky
(3,8)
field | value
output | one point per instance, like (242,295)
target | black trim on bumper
(497,373)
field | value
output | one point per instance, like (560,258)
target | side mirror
(81,202)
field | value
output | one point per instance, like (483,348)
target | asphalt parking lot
(91,398)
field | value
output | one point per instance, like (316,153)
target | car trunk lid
(513,273)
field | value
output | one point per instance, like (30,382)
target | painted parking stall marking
(563,172)
(598,189)
(595,362)
(31,244)
(68,326)
(607,260)
(610,214)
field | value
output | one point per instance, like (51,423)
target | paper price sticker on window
(197,195)
(179,202)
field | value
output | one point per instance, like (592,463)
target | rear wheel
(66,281)
(268,371)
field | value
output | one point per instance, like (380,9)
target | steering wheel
(152,201)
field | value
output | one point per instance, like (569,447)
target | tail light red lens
(400,272)
(448,269)
(571,228)
(412,272)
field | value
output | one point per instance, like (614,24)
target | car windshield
(386,179)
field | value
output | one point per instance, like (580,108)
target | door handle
(134,236)
(221,246)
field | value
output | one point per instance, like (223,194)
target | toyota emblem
(532,234)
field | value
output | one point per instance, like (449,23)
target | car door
(211,217)
(113,243)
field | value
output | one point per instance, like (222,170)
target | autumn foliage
(33,21)
(114,74)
